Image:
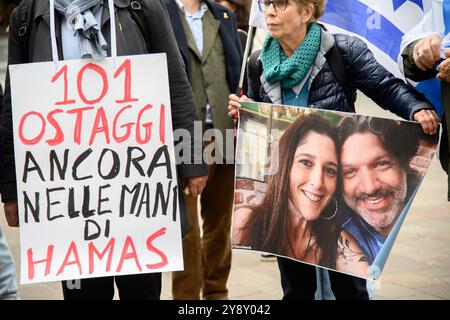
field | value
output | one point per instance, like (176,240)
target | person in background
(298,216)
(295,71)
(207,38)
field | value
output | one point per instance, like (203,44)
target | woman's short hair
(319,7)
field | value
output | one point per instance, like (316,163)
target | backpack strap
(254,67)
(25,11)
(137,13)
(337,65)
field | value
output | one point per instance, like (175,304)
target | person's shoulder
(167,3)
(347,42)
(30,3)
(22,16)
(156,13)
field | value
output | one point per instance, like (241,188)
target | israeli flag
(382,24)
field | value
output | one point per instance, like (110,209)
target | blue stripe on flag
(432,90)
(352,16)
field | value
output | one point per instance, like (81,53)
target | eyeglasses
(278,5)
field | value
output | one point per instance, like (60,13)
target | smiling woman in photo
(297,217)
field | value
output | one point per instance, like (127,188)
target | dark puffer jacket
(364,73)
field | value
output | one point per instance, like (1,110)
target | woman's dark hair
(266,230)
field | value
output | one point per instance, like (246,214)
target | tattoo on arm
(347,253)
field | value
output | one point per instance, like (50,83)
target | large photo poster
(325,188)
(95,166)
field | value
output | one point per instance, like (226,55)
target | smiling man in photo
(377,179)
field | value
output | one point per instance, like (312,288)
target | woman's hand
(234,105)
(428,119)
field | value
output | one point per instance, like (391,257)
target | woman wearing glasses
(296,71)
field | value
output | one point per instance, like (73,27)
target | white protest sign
(95,165)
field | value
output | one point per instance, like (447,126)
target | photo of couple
(325,188)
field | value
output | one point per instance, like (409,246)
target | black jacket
(228,34)
(364,73)
(130,41)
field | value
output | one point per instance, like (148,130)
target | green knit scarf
(290,71)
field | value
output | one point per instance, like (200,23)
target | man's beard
(384,217)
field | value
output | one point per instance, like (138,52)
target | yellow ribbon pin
(225,15)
